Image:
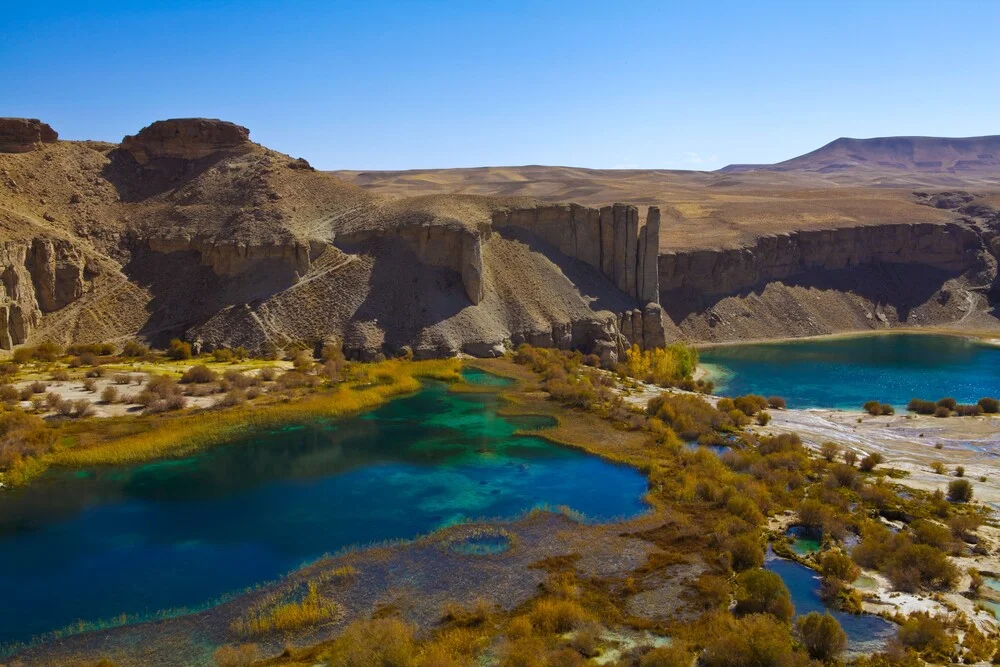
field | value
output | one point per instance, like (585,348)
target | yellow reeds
(185,433)
(282,617)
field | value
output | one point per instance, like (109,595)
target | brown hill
(190,229)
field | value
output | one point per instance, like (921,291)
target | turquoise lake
(93,544)
(847,372)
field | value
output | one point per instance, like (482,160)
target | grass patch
(272,616)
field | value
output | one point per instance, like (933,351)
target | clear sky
(396,85)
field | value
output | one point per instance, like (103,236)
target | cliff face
(185,139)
(773,258)
(21,135)
(608,239)
(36,277)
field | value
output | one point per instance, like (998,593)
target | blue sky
(396,85)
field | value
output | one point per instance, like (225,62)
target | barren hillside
(188,228)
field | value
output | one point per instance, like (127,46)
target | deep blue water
(865,632)
(847,372)
(179,533)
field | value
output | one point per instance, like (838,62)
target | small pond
(180,533)
(865,632)
(846,372)
(803,542)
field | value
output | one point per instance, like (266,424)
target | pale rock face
(36,277)
(23,135)
(715,272)
(185,139)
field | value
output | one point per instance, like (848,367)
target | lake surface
(865,632)
(847,372)
(180,533)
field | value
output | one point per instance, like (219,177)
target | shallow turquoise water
(865,632)
(802,543)
(182,532)
(847,372)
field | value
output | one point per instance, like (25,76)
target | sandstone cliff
(21,135)
(185,139)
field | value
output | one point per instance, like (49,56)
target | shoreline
(987,337)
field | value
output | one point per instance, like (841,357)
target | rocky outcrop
(234,258)
(950,247)
(36,277)
(22,135)
(185,139)
(446,246)
(610,240)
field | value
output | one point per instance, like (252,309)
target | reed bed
(182,434)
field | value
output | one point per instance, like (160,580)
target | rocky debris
(609,239)
(950,247)
(23,135)
(185,139)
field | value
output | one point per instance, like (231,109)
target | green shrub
(752,641)
(134,349)
(763,592)
(822,635)
(763,418)
(960,491)
(838,565)
(869,462)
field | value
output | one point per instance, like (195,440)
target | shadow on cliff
(403,296)
(902,286)
(185,293)
(594,286)
(135,183)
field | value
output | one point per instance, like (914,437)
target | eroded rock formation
(950,247)
(21,135)
(36,277)
(185,138)
(608,239)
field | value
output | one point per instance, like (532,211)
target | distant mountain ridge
(892,154)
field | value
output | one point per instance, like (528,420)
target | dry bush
(243,655)
(110,394)
(557,616)
(90,384)
(281,617)
(82,407)
(383,642)
(22,436)
(200,374)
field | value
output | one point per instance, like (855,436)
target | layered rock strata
(22,135)
(950,247)
(609,239)
(185,139)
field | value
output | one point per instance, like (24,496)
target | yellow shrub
(312,609)
(551,615)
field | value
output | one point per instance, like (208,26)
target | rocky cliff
(185,139)
(777,257)
(36,277)
(21,135)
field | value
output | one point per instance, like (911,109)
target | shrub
(921,407)
(822,635)
(973,410)
(64,407)
(222,355)
(664,366)
(869,462)
(949,403)
(233,397)
(689,416)
(90,384)
(267,373)
(47,351)
(756,640)
(303,362)
(750,404)
(60,375)
(829,450)
(9,394)
(938,467)
(82,407)
(873,408)
(942,411)
(21,436)
(928,635)
(285,616)
(110,394)
(776,402)
(915,566)
(667,656)
(725,405)
(745,552)
(557,616)
(763,418)
(121,378)
(959,471)
(179,350)
(134,349)
(850,457)
(763,592)
(838,565)
(960,491)
(199,374)
(990,406)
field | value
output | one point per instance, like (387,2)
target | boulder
(185,139)
(23,135)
